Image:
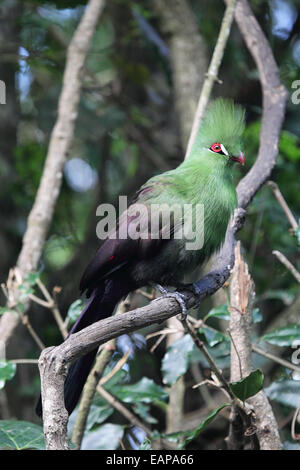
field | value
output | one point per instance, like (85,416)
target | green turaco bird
(164,255)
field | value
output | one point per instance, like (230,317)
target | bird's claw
(181,299)
(194,289)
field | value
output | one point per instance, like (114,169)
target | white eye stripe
(224,149)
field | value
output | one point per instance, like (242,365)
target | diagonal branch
(274,102)
(41,214)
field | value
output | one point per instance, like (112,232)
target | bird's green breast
(194,186)
(215,193)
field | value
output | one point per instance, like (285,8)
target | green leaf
(219,312)
(176,360)
(297,234)
(146,445)
(145,391)
(25,290)
(98,414)
(256,315)
(284,336)
(284,295)
(142,409)
(3,310)
(75,310)
(184,437)
(248,386)
(220,353)
(289,146)
(21,308)
(106,437)
(21,435)
(213,337)
(31,278)
(120,377)
(7,371)
(286,392)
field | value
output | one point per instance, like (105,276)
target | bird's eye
(218,148)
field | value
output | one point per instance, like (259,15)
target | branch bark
(274,102)
(41,214)
(241,304)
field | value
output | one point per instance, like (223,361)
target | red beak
(240,158)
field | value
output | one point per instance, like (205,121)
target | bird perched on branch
(194,203)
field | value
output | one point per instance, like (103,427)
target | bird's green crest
(223,122)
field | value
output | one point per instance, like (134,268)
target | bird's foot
(181,299)
(194,289)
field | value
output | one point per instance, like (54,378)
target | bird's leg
(181,299)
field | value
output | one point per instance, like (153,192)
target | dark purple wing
(118,250)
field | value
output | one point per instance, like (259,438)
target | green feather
(203,178)
(223,122)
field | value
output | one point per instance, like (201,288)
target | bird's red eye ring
(216,147)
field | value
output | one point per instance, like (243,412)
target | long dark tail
(101,305)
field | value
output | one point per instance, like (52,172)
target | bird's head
(221,131)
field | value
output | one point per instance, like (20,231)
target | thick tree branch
(41,214)
(274,102)
(241,305)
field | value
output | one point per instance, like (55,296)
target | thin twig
(203,391)
(283,203)
(200,345)
(34,335)
(213,70)
(115,369)
(129,415)
(295,436)
(164,331)
(287,264)
(37,300)
(157,343)
(53,307)
(282,362)
(236,352)
(145,294)
(122,444)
